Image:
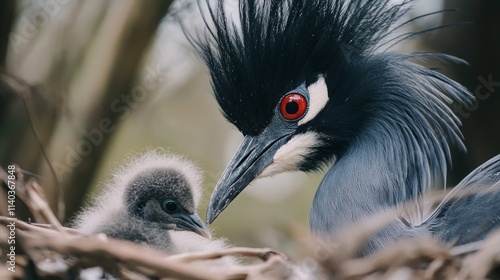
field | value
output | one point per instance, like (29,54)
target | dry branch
(263,254)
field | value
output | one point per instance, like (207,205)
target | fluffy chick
(152,200)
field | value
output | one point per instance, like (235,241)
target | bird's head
(301,81)
(163,193)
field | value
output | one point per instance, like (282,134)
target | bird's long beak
(192,223)
(253,156)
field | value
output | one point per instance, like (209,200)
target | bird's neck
(375,173)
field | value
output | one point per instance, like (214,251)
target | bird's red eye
(293,106)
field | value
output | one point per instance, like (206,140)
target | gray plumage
(472,209)
(468,213)
(135,203)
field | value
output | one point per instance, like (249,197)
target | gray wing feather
(472,209)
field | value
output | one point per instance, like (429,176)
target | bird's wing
(486,174)
(472,209)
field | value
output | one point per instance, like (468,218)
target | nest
(48,250)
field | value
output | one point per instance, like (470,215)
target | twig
(67,229)
(108,251)
(407,253)
(33,196)
(264,254)
(466,248)
(35,228)
(478,265)
(40,205)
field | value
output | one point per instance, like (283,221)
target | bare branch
(264,254)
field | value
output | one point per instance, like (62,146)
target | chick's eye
(293,106)
(169,206)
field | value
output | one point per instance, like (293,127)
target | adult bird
(307,83)
(152,199)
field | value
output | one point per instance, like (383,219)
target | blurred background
(85,83)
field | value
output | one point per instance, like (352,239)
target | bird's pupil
(171,206)
(292,108)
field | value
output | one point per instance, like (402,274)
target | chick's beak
(192,222)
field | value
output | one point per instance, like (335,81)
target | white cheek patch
(291,155)
(318,97)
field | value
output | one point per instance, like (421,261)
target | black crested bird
(307,83)
(152,200)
